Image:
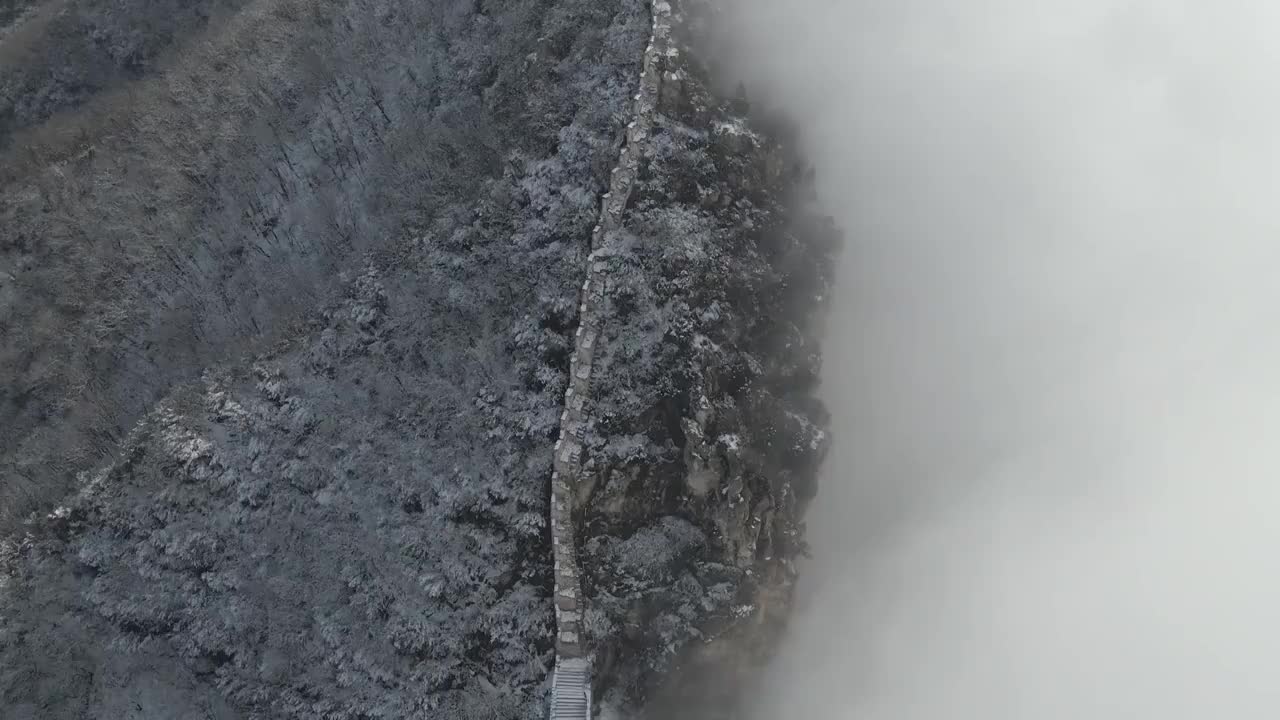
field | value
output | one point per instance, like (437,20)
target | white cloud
(1055,360)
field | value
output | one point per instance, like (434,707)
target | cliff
(706,434)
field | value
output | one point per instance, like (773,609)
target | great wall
(572,677)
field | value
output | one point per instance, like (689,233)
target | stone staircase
(571,690)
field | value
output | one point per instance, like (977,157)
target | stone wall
(569,470)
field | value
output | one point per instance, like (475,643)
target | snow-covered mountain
(289,294)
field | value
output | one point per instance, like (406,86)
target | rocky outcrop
(701,435)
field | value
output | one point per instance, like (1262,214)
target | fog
(1054,363)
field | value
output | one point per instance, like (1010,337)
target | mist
(1054,361)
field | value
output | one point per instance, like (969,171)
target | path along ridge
(571,680)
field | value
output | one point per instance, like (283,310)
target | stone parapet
(572,677)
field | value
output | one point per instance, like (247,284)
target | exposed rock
(706,427)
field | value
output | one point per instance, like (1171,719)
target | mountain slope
(294,307)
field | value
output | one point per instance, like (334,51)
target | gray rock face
(707,436)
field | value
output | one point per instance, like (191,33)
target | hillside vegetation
(294,306)
(202,211)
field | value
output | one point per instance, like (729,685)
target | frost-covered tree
(320,280)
